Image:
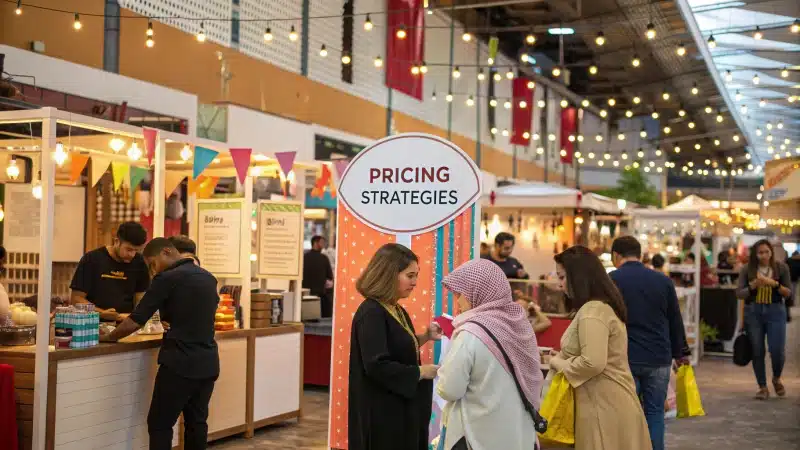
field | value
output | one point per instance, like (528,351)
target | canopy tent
(533,194)
(691,203)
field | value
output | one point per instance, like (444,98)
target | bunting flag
(202,158)
(99,166)
(76,166)
(493,44)
(324,178)
(241,161)
(569,123)
(341,166)
(172,179)
(150,135)
(206,188)
(137,175)
(286,161)
(402,54)
(194,184)
(522,113)
(119,170)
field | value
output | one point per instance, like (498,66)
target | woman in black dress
(390,391)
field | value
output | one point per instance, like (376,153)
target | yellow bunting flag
(194,184)
(172,179)
(99,166)
(119,172)
(76,166)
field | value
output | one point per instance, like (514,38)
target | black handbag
(742,350)
(539,422)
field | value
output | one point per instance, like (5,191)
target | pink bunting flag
(241,161)
(341,166)
(286,161)
(150,143)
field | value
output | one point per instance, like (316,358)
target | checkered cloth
(121,209)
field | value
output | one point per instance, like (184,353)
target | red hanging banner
(569,124)
(521,112)
(406,50)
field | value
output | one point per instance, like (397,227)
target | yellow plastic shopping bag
(558,407)
(688,396)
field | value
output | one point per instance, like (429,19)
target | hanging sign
(219,235)
(280,239)
(410,183)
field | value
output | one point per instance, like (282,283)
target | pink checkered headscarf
(487,290)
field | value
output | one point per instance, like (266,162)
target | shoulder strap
(539,422)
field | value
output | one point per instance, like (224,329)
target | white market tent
(691,203)
(534,194)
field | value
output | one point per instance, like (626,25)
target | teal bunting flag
(202,158)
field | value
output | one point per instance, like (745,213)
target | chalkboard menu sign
(327,149)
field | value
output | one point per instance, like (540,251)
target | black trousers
(173,395)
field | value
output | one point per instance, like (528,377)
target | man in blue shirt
(655,330)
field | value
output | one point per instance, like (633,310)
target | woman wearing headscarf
(485,410)
(594,358)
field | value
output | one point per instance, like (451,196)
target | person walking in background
(794,272)
(763,284)
(390,390)
(658,262)
(318,274)
(484,409)
(656,335)
(594,358)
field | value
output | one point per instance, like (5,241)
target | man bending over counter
(113,277)
(186,296)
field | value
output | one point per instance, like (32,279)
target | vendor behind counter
(115,277)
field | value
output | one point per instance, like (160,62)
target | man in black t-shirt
(318,275)
(113,277)
(501,255)
(186,296)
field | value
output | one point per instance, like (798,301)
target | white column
(46,206)
(159,196)
(246,249)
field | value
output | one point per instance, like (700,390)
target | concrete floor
(733,421)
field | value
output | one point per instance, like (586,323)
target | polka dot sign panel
(356,245)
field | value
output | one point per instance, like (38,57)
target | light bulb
(665,95)
(735,138)
(697,146)
(756,79)
(585,103)
(643,134)
(659,152)
(510,75)
(556,71)
(60,155)
(762,103)
(695,89)
(149,42)
(636,62)
(149,31)
(624,155)
(676,149)
(593,69)
(497,77)
(378,62)
(531,85)
(738,96)
(116,144)
(456,73)
(323,51)
(716,142)
(728,76)
(603,113)
(526,135)
(720,118)
(493,130)
(493,103)
(13,169)
(507,104)
(682,112)
(612,101)
(18,11)
(449,97)
(708,109)
(415,70)
(470,101)
(681,51)
(621,136)
(134,152)
(712,43)
(268,35)
(541,103)
(654,115)
(346,59)
(186,152)
(780,124)
(368,24)
(758,35)
(466,37)
(433,96)
(637,99)
(667,130)
(201,35)
(77,22)
(629,113)
(505,132)
(651,31)
(598,138)
(423,69)
(606,156)
(481,75)
(293,34)
(691,125)
(600,39)
(36,190)
(530,39)
(401,32)
(795,27)
(490,61)
(564,103)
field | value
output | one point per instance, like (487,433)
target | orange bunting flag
(194,184)
(77,165)
(206,188)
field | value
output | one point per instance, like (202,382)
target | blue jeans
(651,385)
(766,321)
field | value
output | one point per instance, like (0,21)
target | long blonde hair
(379,279)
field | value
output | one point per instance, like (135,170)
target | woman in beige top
(594,358)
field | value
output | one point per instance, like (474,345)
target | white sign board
(280,239)
(410,183)
(21,223)
(219,236)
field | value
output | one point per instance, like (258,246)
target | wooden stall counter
(98,397)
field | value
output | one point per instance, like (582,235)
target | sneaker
(762,394)
(780,390)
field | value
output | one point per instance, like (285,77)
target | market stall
(98,396)
(671,233)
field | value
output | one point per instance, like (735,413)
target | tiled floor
(733,419)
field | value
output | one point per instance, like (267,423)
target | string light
(677,149)
(637,100)
(712,43)
(186,152)
(728,76)
(697,146)
(423,69)
(636,62)
(756,79)
(493,130)
(654,114)
(18,11)
(556,71)
(346,59)
(691,125)
(629,113)
(720,118)
(466,37)
(149,42)
(134,152)
(401,32)
(744,109)
(526,135)
(640,153)
(507,104)
(735,138)
(433,96)
(769,125)
(643,134)
(497,77)
(456,73)
(792,98)
(530,39)
(323,51)
(665,95)
(368,24)
(524,57)
(149,31)
(77,22)
(531,84)
(682,112)
(493,102)
(585,103)
(659,152)
(621,136)
(523,104)
(378,62)
(762,103)
(795,27)
(695,89)
(564,103)
(201,35)
(490,61)
(681,51)
(758,35)
(603,113)
(449,97)
(651,31)
(481,75)
(470,101)
(716,142)
(738,96)
(505,132)
(612,101)
(624,155)
(708,109)
(593,69)
(598,138)
(541,103)
(600,40)
(667,129)
(510,74)
(414,69)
